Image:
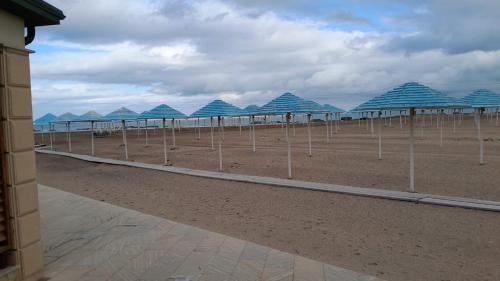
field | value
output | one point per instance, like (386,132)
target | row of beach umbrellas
(407,98)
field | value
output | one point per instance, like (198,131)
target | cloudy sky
(140,53)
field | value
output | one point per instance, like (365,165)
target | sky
(185,53)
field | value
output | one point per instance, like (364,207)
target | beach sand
(351,158)
(390,239)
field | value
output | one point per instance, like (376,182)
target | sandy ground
(390,239)
(350,159)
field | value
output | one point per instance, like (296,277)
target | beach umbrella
(219,109)
(144,116)
(251,111)
(45,121)
(330,111)
(289,104)
(123,114)
(164,112)
(67,118)
(92,117)
(410,96)
(480,100)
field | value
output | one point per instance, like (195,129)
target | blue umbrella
(409,96)
(45,120)
(122,114)
(219,109)
(91,116)
(332,110)
(67,118)
(479,100)
(163,112)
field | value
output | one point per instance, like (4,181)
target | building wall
(19,156)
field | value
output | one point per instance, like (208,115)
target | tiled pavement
(89,240)
(451,201)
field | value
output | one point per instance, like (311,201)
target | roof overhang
(34,12)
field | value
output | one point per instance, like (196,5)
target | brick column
(19,157)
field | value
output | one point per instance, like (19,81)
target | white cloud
(185,53)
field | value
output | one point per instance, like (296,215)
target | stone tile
(20,134)
(88,240)
(26,196)
(20,102)
(18,69)
(307,270)
(31,259)
(24,166)
(29,229)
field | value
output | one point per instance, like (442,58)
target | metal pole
(138,129)
(146,131)
(309,133)
(371,124)
(69,136)
(92,135)
(199,129)
(479,137)
(173,132)
(327,129)
(220,144)
(293,124)
(253,132)
(400,120)
(289,151)
(496,122)
(239,118)
(412,151)
(164,144)
(454,122)
(124,134)
(380,135)
(440,122)
(212,131)
(50,136)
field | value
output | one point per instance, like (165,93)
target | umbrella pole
(390,119)
(92,136)
(253,132)
(173,133)
(239,121)
(371,125)
(50,137)
(309,133)
(138,129)
(293,124)
(212,131)
(337,122)
(69,136)
(380,135)
(43,138)
(124,134)
(480,139)
(441,121)
(367,122)
(454,122)
(289,153)
(400,120)
(164,144)
(199,129)
(327,130)
(412,151)
(496,122)
(223,124)
(220,144)
(146,131)
(282,121)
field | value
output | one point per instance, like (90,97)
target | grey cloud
(347,17)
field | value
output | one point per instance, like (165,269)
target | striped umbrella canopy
(45,120)
(162,111)
(290,103)
(410,95)
(332,109)
(122,113)
(217,108)
(482,98)
(90,116)
(67,117)
(251,109)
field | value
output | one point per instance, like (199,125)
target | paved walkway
(358,191)
(89,240)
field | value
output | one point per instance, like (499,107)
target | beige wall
(16,126)
(11,30)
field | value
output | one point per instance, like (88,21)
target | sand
(351,158)
(390,239)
